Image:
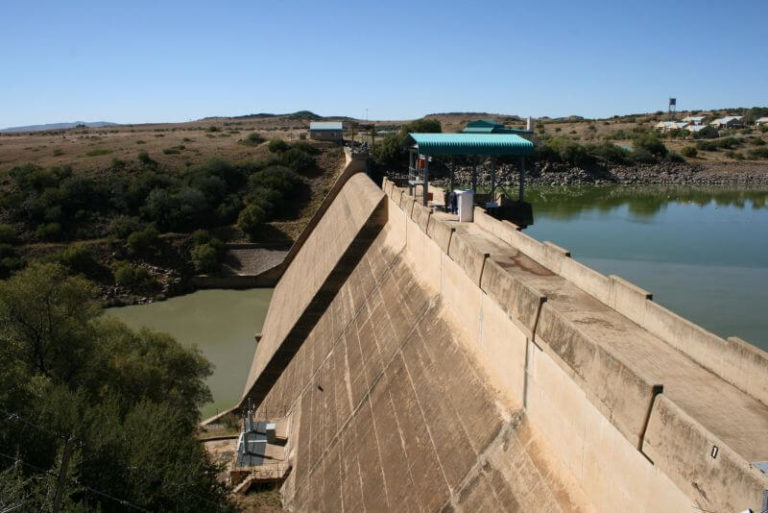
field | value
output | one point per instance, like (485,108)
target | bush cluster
(57,204)
(647,149)
(207,252)
(10,260)
(724,143)
(134,277)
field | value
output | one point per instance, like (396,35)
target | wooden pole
(63,473)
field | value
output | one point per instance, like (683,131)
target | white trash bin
(466,204)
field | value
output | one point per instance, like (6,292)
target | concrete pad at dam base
(429,365)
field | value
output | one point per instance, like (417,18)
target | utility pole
(63,473)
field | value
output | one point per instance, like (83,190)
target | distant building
(326,130)
(487,126)
(695,120)
(762,121)
(667,126)
(728,122)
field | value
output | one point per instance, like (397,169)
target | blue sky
(144,61)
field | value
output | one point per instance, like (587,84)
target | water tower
(672,107)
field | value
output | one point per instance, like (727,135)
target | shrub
(278,146)
(118,164)
(122,226)
(172,151)
(213,129)
(707,145)
(49,231)
(8,234)
(9,260)
(205,258)
(758,153)
(674,157)
(757,142)
(689,151)
(651,143)
(58,152)
(98,151)
(250,220)
(297,160)
(145,159)
(144,242)
(78,258)
(200,237)
(306,148)
(133,277)
(253,139)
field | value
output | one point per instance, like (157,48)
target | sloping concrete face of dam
(430,365)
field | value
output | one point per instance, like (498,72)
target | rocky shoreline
(666,173)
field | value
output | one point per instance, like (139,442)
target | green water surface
(702,252)
(221,323)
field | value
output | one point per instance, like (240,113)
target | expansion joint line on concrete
(486,256)
(528,356)
(655,392)
(507,430)
(366,397)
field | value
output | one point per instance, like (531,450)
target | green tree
(129,398)
(251,220)
(46,315)
(205,258)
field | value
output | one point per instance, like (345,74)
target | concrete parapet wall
(518,300)
(742,364)
(467,257)
(619,392)
(699,463)
(739,363)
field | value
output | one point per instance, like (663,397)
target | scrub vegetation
(132,215)
(124,402)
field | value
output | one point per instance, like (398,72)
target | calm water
(703,253)
(221,323)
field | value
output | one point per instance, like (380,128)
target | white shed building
(326,130)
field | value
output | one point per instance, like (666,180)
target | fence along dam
(421,364)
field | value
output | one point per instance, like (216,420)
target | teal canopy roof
(472,144)
(484,123)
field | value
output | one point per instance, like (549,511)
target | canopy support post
(521,189)
(474,175)
(493,179)
(426,181)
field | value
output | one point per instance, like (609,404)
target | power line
(50,472)
(15,416)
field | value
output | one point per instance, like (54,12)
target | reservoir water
(702,252)
(221,323)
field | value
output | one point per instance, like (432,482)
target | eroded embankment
(427,364)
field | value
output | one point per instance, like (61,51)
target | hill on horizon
(57,126)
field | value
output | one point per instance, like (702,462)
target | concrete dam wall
(429,365)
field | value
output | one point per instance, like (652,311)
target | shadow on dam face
(403,346)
